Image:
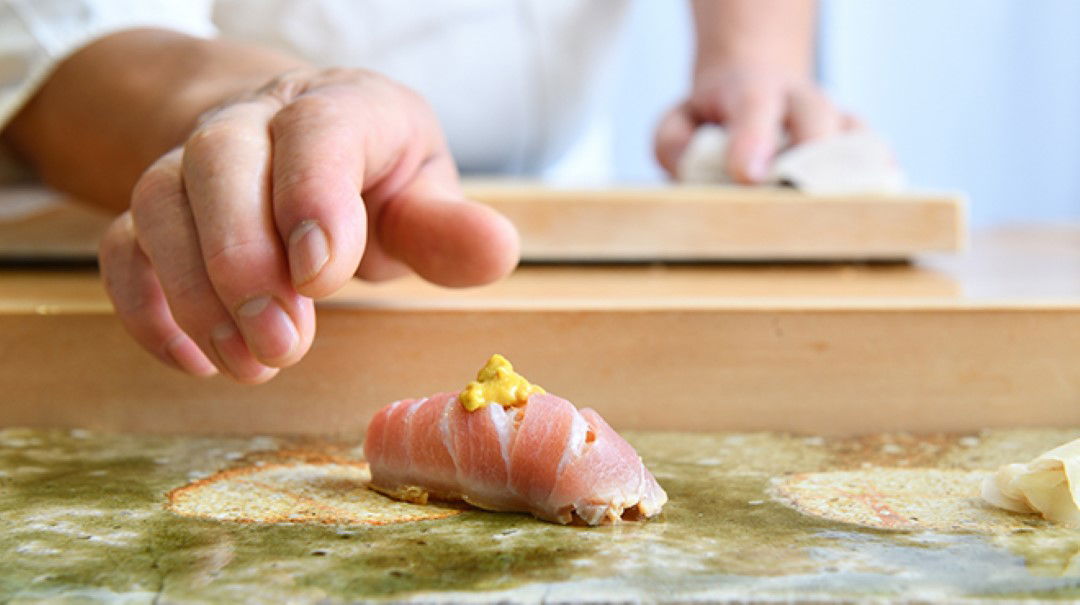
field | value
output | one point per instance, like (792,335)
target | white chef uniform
(512,81)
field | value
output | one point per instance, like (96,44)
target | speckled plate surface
(86,517)
(325,490)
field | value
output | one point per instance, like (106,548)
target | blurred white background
(981,96)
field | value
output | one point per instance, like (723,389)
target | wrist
(113,107)
(716,66)
(769,36)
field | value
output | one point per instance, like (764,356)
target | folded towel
(847,163)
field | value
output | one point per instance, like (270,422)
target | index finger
(754,127)
(333,144)
(328,147)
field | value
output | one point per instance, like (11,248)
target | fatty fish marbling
(545,457)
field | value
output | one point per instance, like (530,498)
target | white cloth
(846,163)
(511,80)
(1049,485)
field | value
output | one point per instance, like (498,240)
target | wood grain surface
(986,340)
(723,223)
(628,224)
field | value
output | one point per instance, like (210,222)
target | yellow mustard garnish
(497,382)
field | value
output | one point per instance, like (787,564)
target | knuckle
(342,74)
(291,84)
(417,105)
(118,237)
(407,94)
(305,109)
(209,138)
(161,179)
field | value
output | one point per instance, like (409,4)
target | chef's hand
(280,195)
(753,74)
(758,108)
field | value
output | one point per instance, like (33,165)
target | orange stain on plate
(898,499)
(327,490)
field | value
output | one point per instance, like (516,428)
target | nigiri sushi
(504,444)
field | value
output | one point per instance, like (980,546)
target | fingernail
(267,329)
(229,346)
(309,250)
(187,356)
(234,353)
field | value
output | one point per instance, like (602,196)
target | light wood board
(631,224)
(39,226)
(723,223)
(989,340)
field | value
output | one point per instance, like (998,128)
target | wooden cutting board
(628,224)
(690,223)
(955,344)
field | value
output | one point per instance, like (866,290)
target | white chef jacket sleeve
(36,35)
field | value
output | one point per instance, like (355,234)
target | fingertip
(237,360)
(456,243)
(755,169)
(299,318)
(748,159)
(498,248)
(485,243)
(187,356)
(140,303)
(261,377)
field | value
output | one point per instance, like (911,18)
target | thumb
(444,237)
